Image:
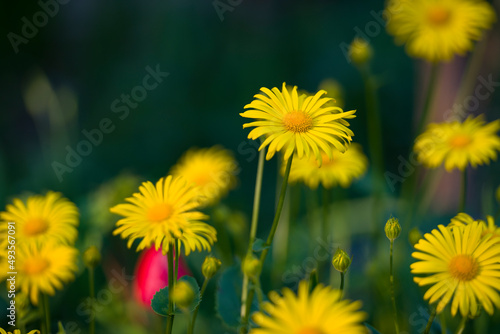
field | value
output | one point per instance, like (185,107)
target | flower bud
(210,267)
(183,294)
(91,257)
(360,52)
(414,236)
(251,266)
(392,229)
(341,261)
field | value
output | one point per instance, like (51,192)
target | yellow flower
(17,331)
(342,170)
(163,213)
(360,51)
(436,30)
(41,219)
(463,219)
(335,91)
(319,312)
(458,144)
(462,266)
(44,268)
(212,170)
(304,126)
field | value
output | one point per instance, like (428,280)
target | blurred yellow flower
(360,51)
(44,268)
(489,227)
(212,170)
(342,170)
(462,266)
(436,30)
(41,219)
(17,331)
(458,144)
(334,90)
(305,126)
(164,213)
(319,312)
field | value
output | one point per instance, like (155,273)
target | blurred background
(149,80)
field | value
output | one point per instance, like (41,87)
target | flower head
(163,213)
(211,170)
(210,266)
(342,170)
(319,312)
(392,228)
(341,260)
(91,257)
(436,30)
(44,268)
(458,144)
(360,51)
(304,126)
(462,266)
(489,227)
(41,219)
(183,294)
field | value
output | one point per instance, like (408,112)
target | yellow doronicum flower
(41,219)
(17,331)
(162,213)
(212,170)
(462,266)
(360,51)
(342,170)
(489,227)
(320,312)
(436,30)
(44,268)
(302,126)
(458,144)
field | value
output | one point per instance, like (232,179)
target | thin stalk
(393,298)
(195,313)
(46,313)
(461,327)
(253,231)
(341,283)
(171,284)
(442,320)
(429,97)
(429,323)
(326,201)
(258,289)
(92,299)
(176,262)
(463,192)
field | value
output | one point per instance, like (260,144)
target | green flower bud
(392,229)
(251,266)
(341,261)
(360,52)
(210,267)
(91,257)
(414,236)
(183,294)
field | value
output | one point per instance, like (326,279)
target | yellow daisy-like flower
(41,219)
(458,144)
(342,170)
(489,227)
(462,266)
(17,331)
(211,170)
(319,312)
(436,30)
(304,126)
(162,214)
(44,268)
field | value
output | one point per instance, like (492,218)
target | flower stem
(463,192)
(429,323)
(461,327)
(176,261)
(341,283)
(195,313)
(393,298)
(429,97)
(46,314)
(171,284)
(253,233)
(326,201)
(442,320)
(92,299)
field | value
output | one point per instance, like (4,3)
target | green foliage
(159,303)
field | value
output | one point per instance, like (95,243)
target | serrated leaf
(159,303)
(259,245)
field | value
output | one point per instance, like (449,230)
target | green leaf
(159,303)
(372,330)
(259,245)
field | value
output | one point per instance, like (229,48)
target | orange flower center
(159,212)
(310,330)
(438,16)
(297,121)
(35,226)
(460,141)
(463,267)
(35,266)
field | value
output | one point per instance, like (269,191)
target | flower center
(438,16)
(297,121)
(460,141)
(159,212)
(35,226)
(310,330)
(463,267)
(35,266)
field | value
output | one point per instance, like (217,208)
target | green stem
(429,97)
(393,298)
(253,233)
(461,327)
(326,201)
(46,314)
(442,320)
(171,284)
(195,313)
(429,323)
(463,192)
(341,283)
(92,299)
(258,289)
(176,261)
